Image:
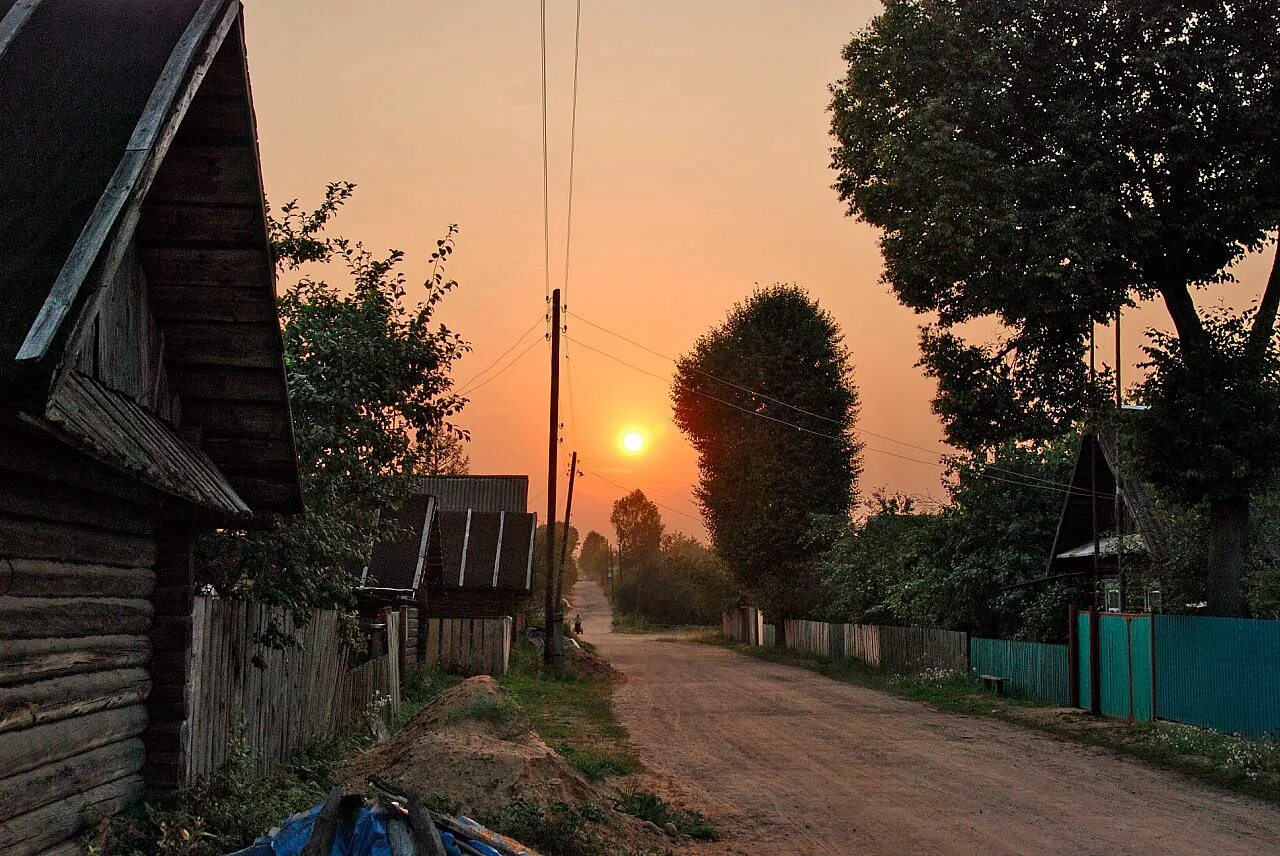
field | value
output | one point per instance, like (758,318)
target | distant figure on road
(577,625)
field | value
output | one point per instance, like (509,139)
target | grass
(653,808)
(628,623)
(571,710)
(1241,764)
(501,711)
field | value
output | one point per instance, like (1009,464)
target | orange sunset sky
(701,169)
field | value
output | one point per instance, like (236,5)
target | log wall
(78,546)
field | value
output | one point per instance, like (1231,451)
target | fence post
(1095,664)
(1073,657)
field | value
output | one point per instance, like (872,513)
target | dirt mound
(590,664)
(473,745)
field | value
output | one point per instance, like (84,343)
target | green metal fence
(1032,669)
(1220,673)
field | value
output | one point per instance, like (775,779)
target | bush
(653,808)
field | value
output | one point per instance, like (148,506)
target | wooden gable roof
(129,134)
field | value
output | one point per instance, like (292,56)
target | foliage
(772,459)
(228,809)
(685,583)
(595,556)
(959,567)
(1045,165)
(638,525)
(421,686)
(559,830)
(570,572)
(653,808)
(371,397)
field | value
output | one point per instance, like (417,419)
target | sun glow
(633,442)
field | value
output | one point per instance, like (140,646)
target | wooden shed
(142,386)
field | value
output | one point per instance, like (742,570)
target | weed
(423,685)
(597,764)
(560,830)
(653,808)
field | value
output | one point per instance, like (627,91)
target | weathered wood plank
(28,834)
(37,747)
(224,268)
(56,699)
(33,539)
(27,660)
(37,578)
(206,303)
(220,418)
(234,344)
(187,223)
(221,383)
(36,454)
(214,174)
(38,618)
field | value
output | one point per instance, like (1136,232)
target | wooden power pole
(553,440)
(558,649)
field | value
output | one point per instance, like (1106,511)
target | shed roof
(128,121)
(487,550)
(478,493)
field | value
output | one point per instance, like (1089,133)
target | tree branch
(1264,324)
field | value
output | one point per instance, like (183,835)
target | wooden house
(1110,528)
(142,386)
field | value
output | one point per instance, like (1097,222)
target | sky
(700,171)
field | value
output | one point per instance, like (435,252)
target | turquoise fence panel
(1032,669)
(1113,649)
(1219,673)
(1125,655)
(1082,643)
(1140,667)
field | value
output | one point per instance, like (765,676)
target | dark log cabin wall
(95,563)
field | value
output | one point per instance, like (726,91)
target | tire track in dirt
(786,760)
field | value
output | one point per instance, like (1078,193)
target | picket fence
(279,701)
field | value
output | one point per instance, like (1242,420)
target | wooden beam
(55,502)
(30,833)
(225,268)
(57,699)
(32,748)
(171,303)
(28,660)
(240,420)
(234,454)
(33,539)
(189,223)
(234,345)
(217,383)
(220,175)
(42,618)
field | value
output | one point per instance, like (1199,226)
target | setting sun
(633,441)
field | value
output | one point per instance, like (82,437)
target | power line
(514,345)
(858,429)
(1057,487)
(573,143)
(628,489)
(546,182)
(503,369)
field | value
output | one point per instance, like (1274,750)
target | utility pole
(558,648)
(553,440)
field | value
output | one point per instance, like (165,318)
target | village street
(802,763)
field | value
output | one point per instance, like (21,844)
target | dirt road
(791,762)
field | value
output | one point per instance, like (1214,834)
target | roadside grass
(1247,766)
(653,808)
(573,711)
(637,624)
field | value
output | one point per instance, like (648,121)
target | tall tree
(768,400)
(1047,164)
(371,394)
(594,556)
(637,525)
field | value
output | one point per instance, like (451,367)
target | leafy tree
(371,396)
(595,556)
(771,459)
(638,526)
(1046,165)
(964,566)
(540,560)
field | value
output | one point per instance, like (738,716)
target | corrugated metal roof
(400,564)
(478,493)
(114,429)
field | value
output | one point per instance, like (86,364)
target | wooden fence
(901,649)
(280,701)
(744,624)
(472,646)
